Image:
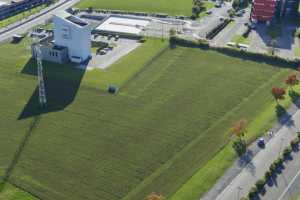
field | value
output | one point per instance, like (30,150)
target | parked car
(231,44)
(102,52)
(261,142)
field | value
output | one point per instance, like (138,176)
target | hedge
(234,52)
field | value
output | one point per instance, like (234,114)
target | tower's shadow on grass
(61,82)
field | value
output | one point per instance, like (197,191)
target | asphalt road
(287,184)
(23,27)
(260,163)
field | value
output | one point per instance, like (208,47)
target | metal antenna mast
(42,90)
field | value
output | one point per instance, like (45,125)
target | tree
(240,146)
(172,32)
(90,9)
(278,93)
(199,3)
(292,80)
(196,11)
(155,196)
(239,128)
(236,4)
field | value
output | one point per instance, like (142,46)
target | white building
(74,34)
(121,25)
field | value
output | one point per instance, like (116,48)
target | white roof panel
(123,25)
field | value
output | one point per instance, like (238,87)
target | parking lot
(120,48)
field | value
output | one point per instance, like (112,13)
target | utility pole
(41,83)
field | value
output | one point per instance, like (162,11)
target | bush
(298,135)
(252,193)
(294,143)
(268,175)
(112,89)
(201,43)
(142,40)
(278,162)
(287,152)
(272,168)
(260,184)
(240,147)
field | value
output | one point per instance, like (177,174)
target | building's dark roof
(77,21)
(59,48)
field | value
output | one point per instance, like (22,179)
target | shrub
(287,152)
(142,40)
(298,135)
(273,168)
(112,89)
(260,184)
(268,175)
(278,162)
(240,147)
(295,143)
(252,193)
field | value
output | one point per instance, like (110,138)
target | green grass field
(10,192)
(173,7)
(239,39)
(170,118)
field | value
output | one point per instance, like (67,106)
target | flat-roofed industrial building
(122,25)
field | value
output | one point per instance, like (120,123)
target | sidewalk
(238,180)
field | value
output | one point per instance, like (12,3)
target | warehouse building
(10,8)
(123,26)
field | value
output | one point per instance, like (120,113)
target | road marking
(289,185)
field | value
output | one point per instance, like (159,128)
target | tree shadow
(295,97)
(283,116)
(61,82)
(245,161)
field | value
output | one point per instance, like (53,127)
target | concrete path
(238,180)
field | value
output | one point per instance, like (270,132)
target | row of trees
(239,128)
(279,92)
